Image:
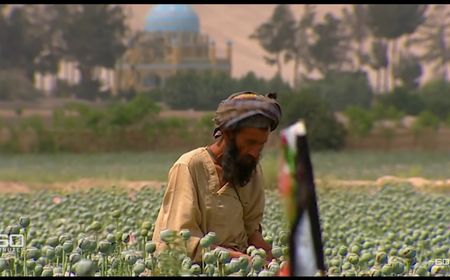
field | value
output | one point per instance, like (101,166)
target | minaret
(212,52)
(175,51)
(229,50)
(175,54)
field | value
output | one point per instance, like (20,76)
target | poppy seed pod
(138,267)
(205,242)
(168,235)
(224,256)
(85,267)
(150,247)
(185,234)
(24,222)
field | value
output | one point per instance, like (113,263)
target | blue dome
(177,18)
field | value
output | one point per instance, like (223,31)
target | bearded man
(219,188)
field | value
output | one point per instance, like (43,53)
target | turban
(243,105)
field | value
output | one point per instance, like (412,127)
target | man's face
(242,153)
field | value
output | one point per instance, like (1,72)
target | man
(219,188)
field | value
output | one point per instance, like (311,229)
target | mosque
(171,42)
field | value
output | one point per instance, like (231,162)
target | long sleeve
(254,203)
(180,209)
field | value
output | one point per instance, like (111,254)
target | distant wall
(402,139)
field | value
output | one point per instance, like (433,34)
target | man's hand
(234,253)
(257,240)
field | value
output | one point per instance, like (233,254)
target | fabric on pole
(296,185)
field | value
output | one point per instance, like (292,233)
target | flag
(296,186)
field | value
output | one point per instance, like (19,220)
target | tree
(298,48)
(403,99)
(252,83)
(426,123)
(324,131)
(361,121)
(434,38)
(341,89)
(278,85)
(329,51)
(23,40)
(48,19)
(393,21)
(378,61)
(436,96)
(200,91)
(94,37)
(409,70)
(355,22)
(14,85)
(274,35)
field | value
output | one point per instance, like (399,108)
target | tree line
(339,43)
(36,38)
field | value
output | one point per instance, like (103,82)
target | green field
(387,231)
(104,232)
(47,168)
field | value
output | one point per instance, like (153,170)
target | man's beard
(237,170)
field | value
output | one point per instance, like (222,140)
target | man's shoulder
(193,157)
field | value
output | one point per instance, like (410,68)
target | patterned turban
(242,105)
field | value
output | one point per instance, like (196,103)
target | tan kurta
(194,200)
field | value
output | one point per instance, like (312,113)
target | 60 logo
(12,241)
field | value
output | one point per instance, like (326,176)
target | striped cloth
(245,104)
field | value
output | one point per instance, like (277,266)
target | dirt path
(83,184)
(419,184)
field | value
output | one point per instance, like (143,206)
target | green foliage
(403,100)
(93,36)
(379,54)
(355,21)
(425,120)
(15,86)
(26,38)
(204,91)
(329,51)
(433,40)
(360,121)
(133,111)
(88,90)
(425,125)
(324,132)
(207,121)
(436,96)
(115,115)
(250,81)
(86,117)
(408,71)
(64,89)
(382,112)
(395,230)
(44,139)
(276,84)
(115,126)
(342,89)
(273,35)
(447,120)
(393,21)
(299,47)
